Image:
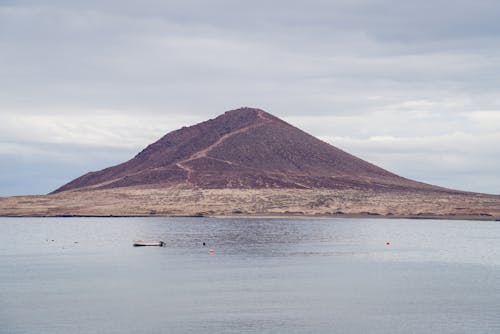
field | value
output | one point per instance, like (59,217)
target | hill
(244,149)
(249,162)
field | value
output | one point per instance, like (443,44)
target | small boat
(140,243)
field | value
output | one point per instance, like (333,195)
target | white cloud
(410,86)
(92,128)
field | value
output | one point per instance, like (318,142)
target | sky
(411,86)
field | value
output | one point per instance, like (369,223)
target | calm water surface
(82,275)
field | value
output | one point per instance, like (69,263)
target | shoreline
(277,216)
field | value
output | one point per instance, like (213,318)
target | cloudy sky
(412,86)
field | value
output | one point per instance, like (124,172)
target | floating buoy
(387,243)
(211,251)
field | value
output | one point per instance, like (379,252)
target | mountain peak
(243,148)
(245,110)
(246,115)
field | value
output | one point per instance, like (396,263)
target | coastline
(279,216)
(254,203)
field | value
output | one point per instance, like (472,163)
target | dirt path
(204,153)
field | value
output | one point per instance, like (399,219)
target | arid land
(178,201)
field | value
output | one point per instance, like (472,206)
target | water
(265,276)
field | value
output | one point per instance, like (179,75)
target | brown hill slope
(245,148)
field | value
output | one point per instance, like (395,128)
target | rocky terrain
(136,201)
(248,162)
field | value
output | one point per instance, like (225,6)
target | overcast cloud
(410,86)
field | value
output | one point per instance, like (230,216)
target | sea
(249,275)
